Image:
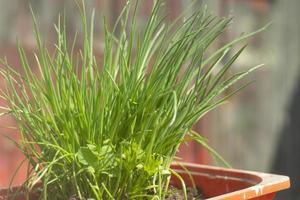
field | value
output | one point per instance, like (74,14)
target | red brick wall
(10,156)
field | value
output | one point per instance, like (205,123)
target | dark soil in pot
(175,194)
(178,194)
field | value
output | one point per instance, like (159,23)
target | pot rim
(262,183)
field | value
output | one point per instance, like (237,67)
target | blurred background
(256,130)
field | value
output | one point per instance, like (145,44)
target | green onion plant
(109,127)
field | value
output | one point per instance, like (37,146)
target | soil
(177,194)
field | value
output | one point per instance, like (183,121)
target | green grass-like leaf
(112,131)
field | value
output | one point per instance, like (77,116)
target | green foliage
(111,130)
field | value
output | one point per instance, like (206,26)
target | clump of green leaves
(111,130)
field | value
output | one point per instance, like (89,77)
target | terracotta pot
(218,183)
(230,184)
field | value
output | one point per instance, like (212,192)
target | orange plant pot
(217,183)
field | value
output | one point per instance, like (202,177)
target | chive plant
(109,127)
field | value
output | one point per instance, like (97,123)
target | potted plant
(110,128)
